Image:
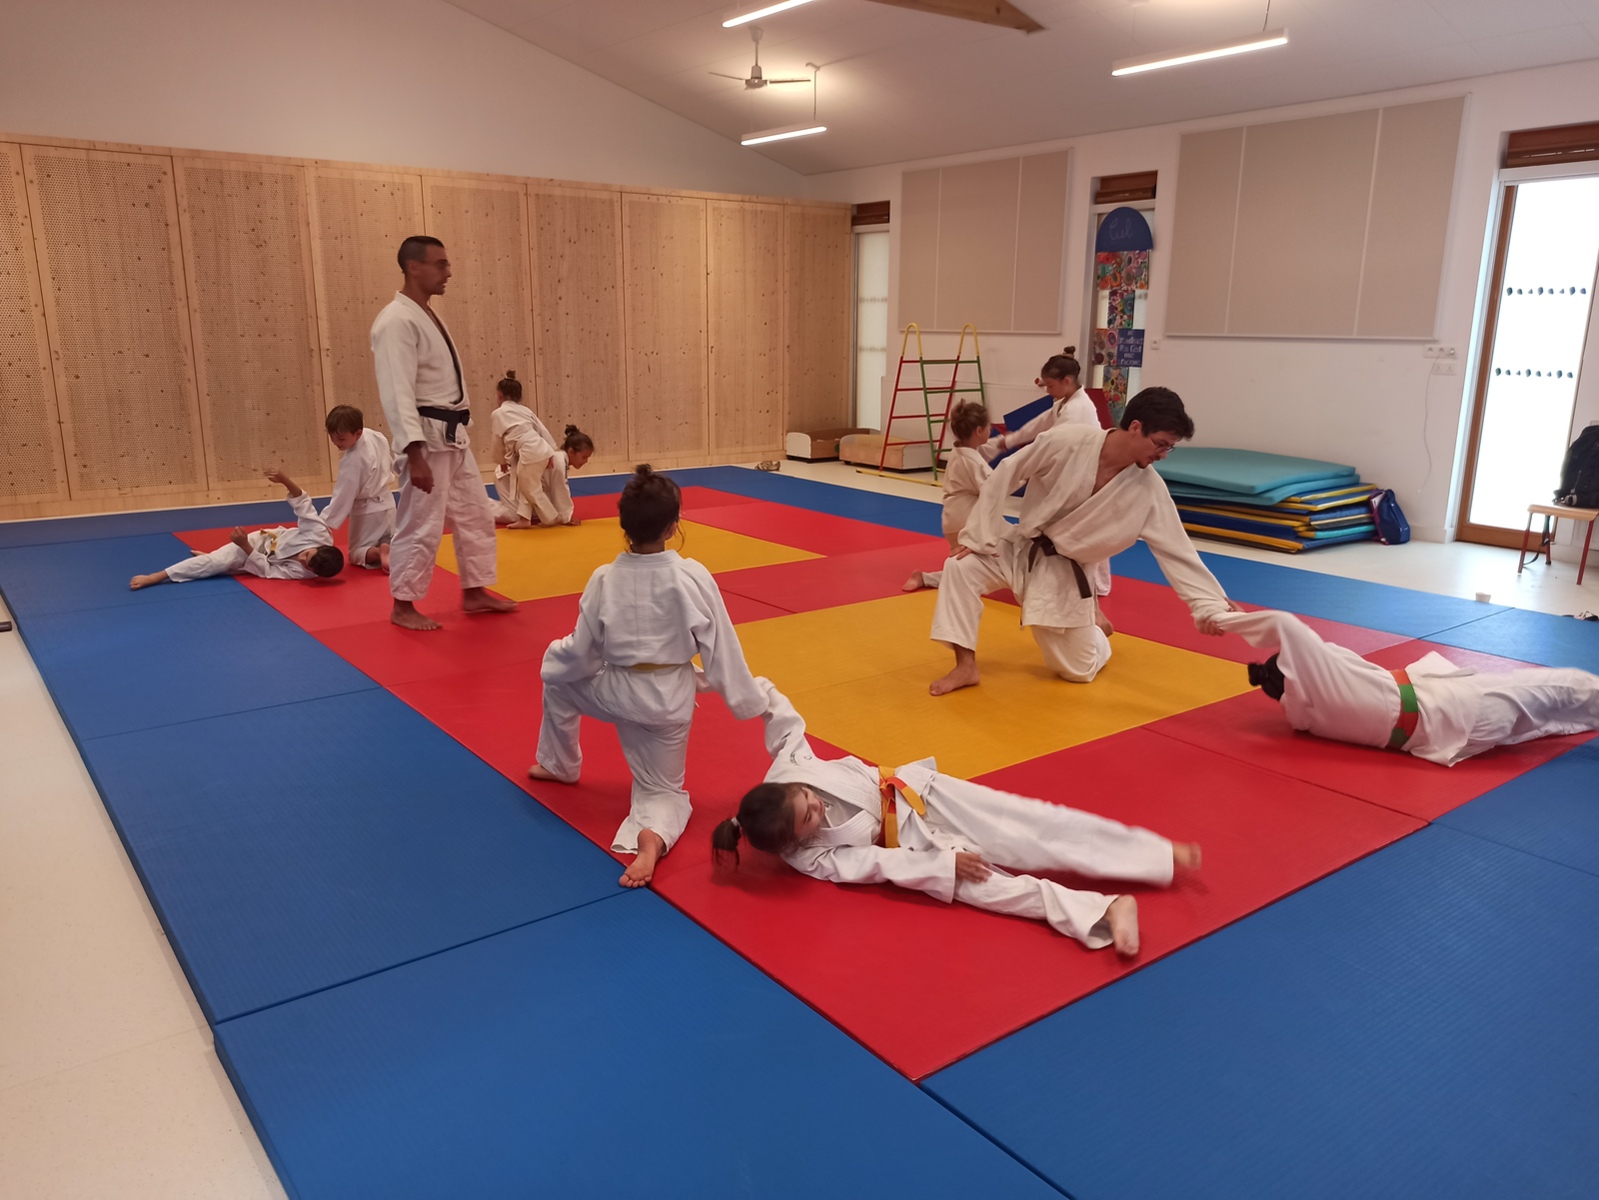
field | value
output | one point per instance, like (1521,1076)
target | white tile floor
(108,1082)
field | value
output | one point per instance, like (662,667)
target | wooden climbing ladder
(936,401)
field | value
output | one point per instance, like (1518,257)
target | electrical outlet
(1447,352)
(1444,367)
(1154,343)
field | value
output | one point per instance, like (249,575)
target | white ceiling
(898,84)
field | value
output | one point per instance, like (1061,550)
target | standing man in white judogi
(424,398)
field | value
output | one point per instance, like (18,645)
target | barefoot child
(963,479)
(522,452)
(576,450)
(362,494)
(845,822)
(282,553)
(640,623)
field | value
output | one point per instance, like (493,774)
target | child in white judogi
(963,479)
(846,822)
(362,494)
(1059,377)
(305,551)
(521,449)
(576,450)
(1432,709)
(641,622)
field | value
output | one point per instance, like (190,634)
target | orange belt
(892,784)
(1409,712)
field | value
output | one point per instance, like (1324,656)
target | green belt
(1409,712)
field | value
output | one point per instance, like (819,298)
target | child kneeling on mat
(846,822)
(641,621)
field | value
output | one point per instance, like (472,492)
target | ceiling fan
(755,79)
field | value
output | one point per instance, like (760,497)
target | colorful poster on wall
(1121,288)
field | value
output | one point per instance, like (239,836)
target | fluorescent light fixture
(780,135)
(1259,41)
(745,18)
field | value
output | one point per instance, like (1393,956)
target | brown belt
(1043,545)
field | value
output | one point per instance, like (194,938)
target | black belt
(452,418)
(1042,545)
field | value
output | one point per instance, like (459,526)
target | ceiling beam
(987,12)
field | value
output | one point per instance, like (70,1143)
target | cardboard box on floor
(817,444)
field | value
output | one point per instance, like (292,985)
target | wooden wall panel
(664,299)
(745,268)
(32,461)
(247,258)
(106,230)
(577,293)
(816,316)
(487,305)
(359,220)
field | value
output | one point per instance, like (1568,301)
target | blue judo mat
(76,576)
(1537,637)
(1552,811)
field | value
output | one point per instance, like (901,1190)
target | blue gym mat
(293,848)
(120,525)
(1418,1024)
(139,666)
(612,1051)
(1552,811)
(76,576)
(1531,636)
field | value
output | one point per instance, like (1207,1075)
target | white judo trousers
(457,495)
(225,560)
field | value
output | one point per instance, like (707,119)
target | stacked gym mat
(1274,501)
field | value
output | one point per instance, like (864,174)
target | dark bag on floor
(1392,528)
(1579,476)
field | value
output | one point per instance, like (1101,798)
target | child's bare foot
(963,675)
(1185,855)
(481,600)
(144,581)
(405,615)
(650,848)
(538,772)
(914,584)
(520,523)
(1122,916)
(383,557)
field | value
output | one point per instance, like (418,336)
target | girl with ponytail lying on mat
(846,822)
(630,661)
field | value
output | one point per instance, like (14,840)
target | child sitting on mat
(576,450)
(963,479)
(280,553)
(641,621)
(846,822)
(363,493)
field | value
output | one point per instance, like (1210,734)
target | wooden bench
(1551,514)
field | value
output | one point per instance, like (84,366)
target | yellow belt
(656,666)
(891,784)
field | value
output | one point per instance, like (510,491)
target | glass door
(871,325)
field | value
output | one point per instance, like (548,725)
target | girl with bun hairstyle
(576,450)
(1061,378)
(522,450)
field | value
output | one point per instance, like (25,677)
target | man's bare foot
(383,557)
(520,523)
(404,615)
(481,600)
(144,581)
(1185,855)
(1122,916)
(650,848)
(538,772)
(1104,624)
(963,675)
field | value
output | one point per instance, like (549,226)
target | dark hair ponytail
(650,505)
(576,441)
(1063,366)
(765,816)
(510,387)
(724,840)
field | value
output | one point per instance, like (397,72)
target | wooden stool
(1551,514)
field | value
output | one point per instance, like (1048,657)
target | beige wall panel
(32,460)
(1040,242)
(663,240)
(1208,168)
(359,221)
(816,316)
(977,244)
(106,228)
(1302,206)
(745,267)
(917,219)
(577,294)
(488,305)
(247,258)
(1410,199)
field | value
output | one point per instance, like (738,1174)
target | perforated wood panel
(106,229)
(247,256)
(746,326)
(664,295)
(359,221)
(816,316)
(487,305)
(32,463)
(577,294)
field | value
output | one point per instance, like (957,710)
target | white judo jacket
(366,472)
(417,367)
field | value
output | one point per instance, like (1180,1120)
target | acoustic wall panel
(745,268)
(488,304)
(977,244)
(1208,167)
(247,255)
(360,219)
(1040,242)
(663,259)
(816,316)
(32,462)
(106,229)
(1417,145)
(918,247)
(577,293)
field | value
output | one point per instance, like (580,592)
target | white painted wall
(1373,404)
(406,82)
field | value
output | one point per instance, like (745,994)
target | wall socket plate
(1444,367)
(1438,352)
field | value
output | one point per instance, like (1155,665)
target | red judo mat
(920,983)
